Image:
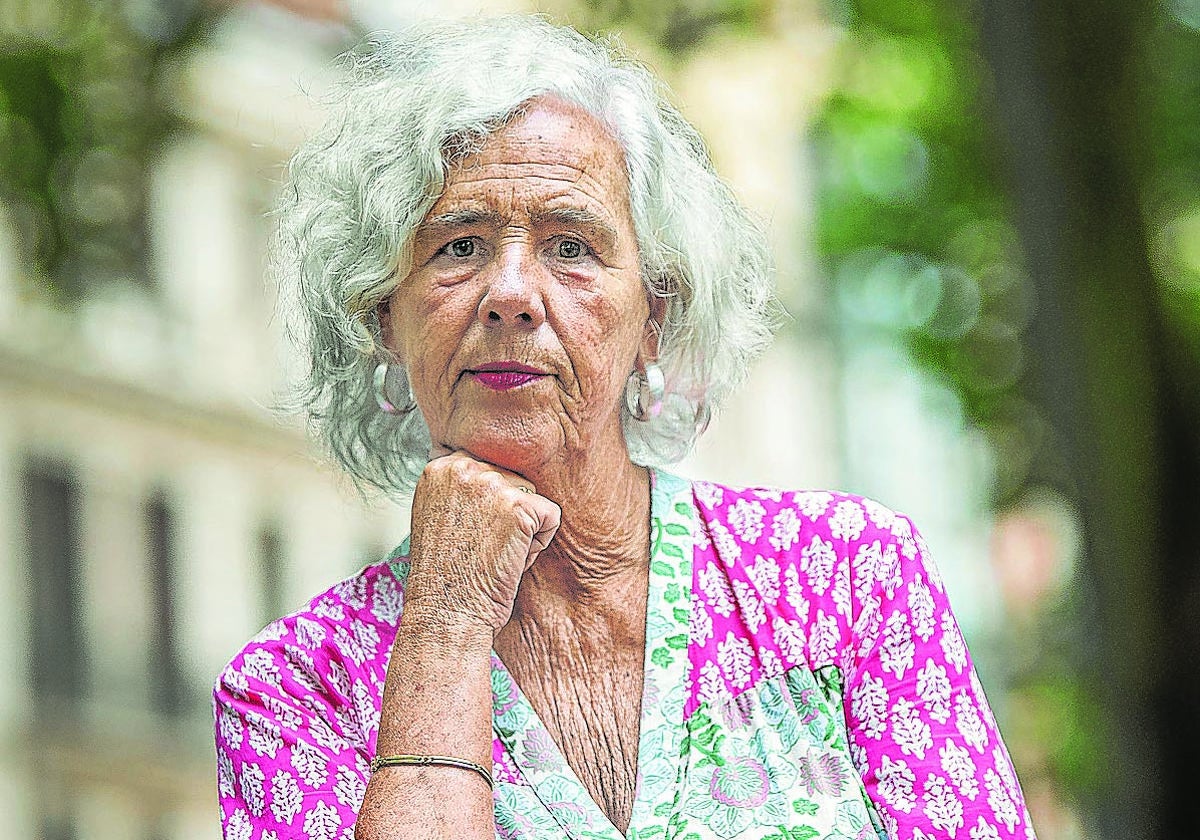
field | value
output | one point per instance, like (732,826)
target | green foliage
(1171,98)
(916,228)
(912,219)
(915,225)
(80,119)
(1057,722)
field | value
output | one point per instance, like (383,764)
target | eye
(570,249)
(461,248)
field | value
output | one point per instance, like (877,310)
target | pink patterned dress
(805,678)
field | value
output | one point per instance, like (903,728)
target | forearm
(437,701)
(476,529)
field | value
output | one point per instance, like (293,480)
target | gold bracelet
(426,760)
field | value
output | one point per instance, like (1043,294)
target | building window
(168,692)
(270,570)
(58,659)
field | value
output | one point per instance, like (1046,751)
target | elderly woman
(526,289)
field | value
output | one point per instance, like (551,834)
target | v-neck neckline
(536,756)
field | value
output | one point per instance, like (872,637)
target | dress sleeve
(291,761)
(921,731)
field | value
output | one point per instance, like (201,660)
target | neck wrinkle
(601,553)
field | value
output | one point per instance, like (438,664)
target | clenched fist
(476,528)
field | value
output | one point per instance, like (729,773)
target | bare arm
(475,532)
(437,701)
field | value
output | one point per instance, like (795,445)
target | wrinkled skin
(529,255)
(519,323)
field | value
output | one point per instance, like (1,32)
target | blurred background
(986,218)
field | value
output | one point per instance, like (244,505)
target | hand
(476,529)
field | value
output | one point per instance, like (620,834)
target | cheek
(429,330)
(428,352)
(609,339)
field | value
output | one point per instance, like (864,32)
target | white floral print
(785,529)
(746,520)
(788,584)
(847,521)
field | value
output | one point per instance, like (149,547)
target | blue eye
(570,249)
(461,248)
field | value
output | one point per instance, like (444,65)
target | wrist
(447,606)
(425,617)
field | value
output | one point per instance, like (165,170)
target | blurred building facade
(156,513)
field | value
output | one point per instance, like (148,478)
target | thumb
(548,516)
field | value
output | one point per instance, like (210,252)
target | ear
(652,331)
(387,332)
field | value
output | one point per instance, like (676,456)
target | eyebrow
(599,227)
(461,218)
(578,217)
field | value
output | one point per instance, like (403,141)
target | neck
(587,591)
(604,533)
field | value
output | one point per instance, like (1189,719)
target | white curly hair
(415,100)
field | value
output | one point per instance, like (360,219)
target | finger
(549,517)
(441,450)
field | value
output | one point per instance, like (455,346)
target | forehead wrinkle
(582,176)
(483,178)
(583,206)
(592,176)
(475,165)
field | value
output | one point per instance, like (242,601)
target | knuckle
(495,481)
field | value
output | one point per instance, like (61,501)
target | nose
(513,296)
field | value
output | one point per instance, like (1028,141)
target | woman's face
(524,312)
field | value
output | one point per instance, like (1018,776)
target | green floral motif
(796,832)
(504,692)
(748,786)
(657,768)
(778,766)
(779,711)
(703,739)
(770,765)
(818,703)
(562,798)
(520,815)
(665,690)
(508,710)
(398,561)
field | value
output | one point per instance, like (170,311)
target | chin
(517,450)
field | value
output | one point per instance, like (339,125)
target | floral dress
(805,678)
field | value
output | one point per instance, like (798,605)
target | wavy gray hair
(416,100)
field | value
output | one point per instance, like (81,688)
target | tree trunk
(1123,438)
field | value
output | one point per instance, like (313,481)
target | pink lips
(504,376)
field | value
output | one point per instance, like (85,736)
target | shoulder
(363,604)
(803,572)
(325,660)
(770,520)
